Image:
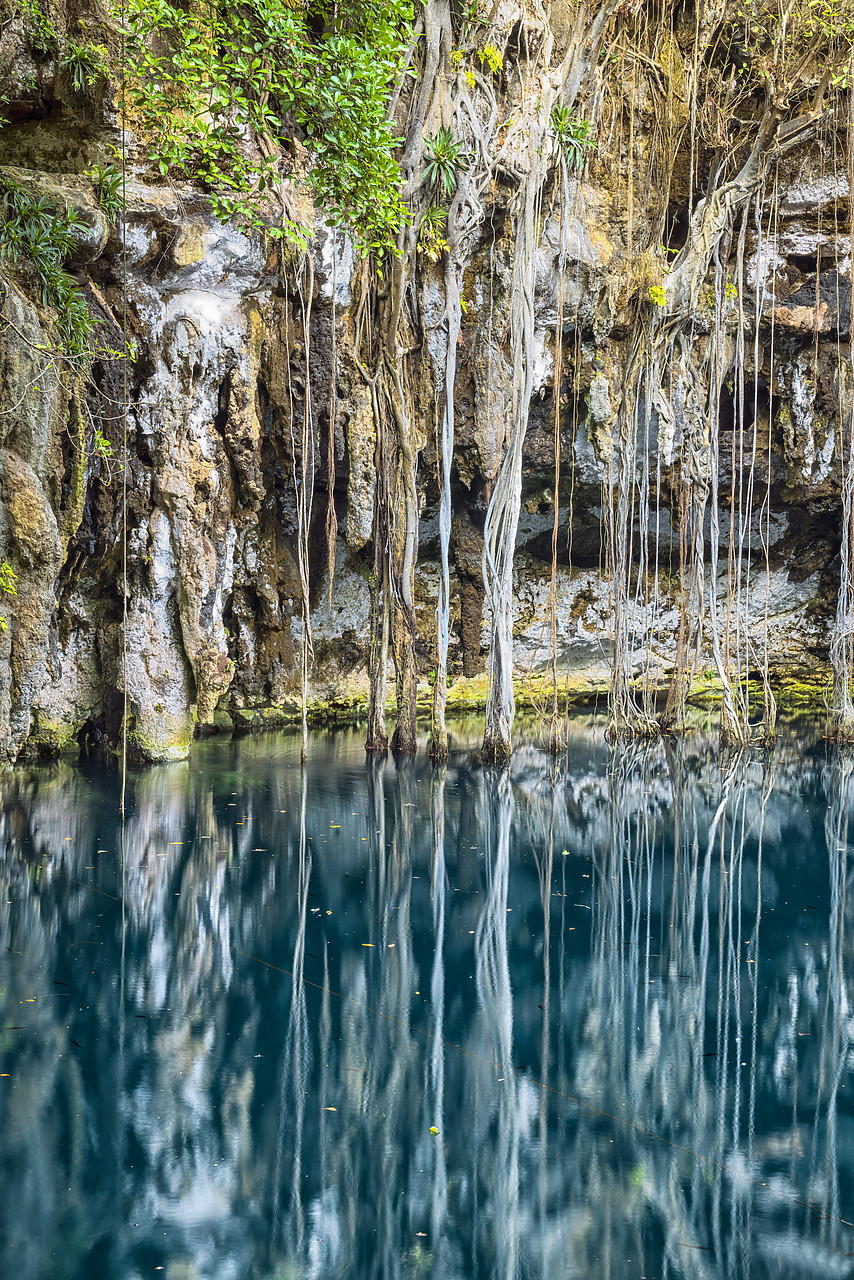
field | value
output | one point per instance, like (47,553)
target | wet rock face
(189,611)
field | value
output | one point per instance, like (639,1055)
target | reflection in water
(496,1096)
(435,1090)
(377,1019)
(295,1062)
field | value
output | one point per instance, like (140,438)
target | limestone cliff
(209,631)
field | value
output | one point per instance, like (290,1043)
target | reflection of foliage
(417,1263)
(627,826)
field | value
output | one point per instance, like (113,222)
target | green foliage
(431,233)
(445,161)
(207,76)
(33,230)
(101,446)
(39,29)
(572,136)
(491,55)
(8,581)
(85,64)
(473,13)
(828,20)
(657,295)
(107,181)
(788,45)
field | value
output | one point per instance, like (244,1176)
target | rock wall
(207,632)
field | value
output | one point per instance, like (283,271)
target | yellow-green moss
(533,698)
(793,694)
(162,738)
(53,737)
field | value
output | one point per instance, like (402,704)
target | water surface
(586,1018)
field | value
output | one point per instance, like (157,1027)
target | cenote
(372,1017)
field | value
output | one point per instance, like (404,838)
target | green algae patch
(468,696)
(531,692)
(706,691)
(468,693)
(340,709)
(257,719)
(160,738)
(347,707)
(52,737)
(794,694)
(803,695)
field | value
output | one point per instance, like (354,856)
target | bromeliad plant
(85,64)
(432,232)
(445,161)
(572,137)
(107,181)
(35,231)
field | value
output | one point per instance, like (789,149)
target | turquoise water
(587,1018)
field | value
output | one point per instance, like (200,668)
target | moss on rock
(52,737)
(157,739)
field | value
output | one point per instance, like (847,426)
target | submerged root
(843,729)
(557,738)
(439,734)
(636,728)
(496,750)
